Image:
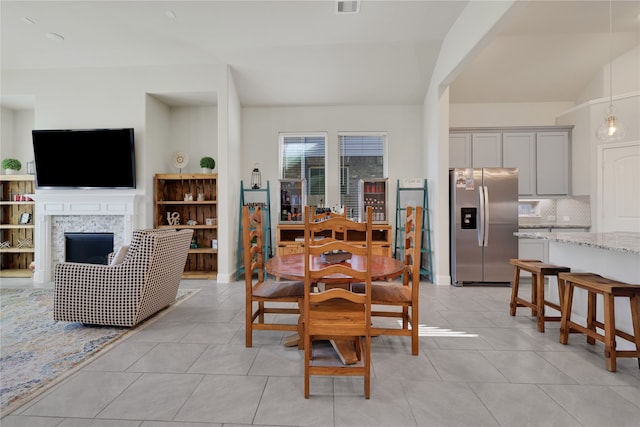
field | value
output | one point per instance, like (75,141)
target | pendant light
(611,129)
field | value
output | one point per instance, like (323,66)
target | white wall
(13,142)
(261,126)
(587,117)
(229,153)
(118,97)
(193,130)
(467,37)
(7,139)
(506,114)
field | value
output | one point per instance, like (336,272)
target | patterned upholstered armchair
(126,292)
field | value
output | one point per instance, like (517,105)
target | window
(361,157)
(303,156)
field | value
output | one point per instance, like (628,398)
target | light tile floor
(477,366)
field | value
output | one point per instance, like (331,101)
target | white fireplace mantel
(49,204)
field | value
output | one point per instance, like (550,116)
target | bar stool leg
(534,293)
(514,291)
(566,313)
(539,284)
(560,293)
(635,319)
(591,315)
(609,332)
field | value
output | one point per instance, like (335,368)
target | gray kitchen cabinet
(475,150)
(519,151)
(541,154)
(460,150)
(553,164)
(486,150)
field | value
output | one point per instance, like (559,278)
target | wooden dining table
(291,267)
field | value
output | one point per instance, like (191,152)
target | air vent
(350,6)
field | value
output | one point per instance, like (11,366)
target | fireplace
(95,211)
(90,248)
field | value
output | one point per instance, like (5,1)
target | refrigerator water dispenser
(468,216)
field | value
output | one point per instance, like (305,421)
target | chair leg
(248,324)
(307,362)
(367,375)
(415,328)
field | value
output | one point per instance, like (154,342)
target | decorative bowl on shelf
(334,257)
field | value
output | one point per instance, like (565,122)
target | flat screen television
(84,158)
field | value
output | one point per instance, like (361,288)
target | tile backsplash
(575,211)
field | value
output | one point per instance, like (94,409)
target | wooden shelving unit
(171,203)
(290,239)
(15,260)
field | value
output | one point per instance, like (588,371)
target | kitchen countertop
(552,225)
(618,241)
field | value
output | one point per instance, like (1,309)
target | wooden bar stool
(609,289)
(538,270)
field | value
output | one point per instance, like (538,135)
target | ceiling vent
(348,6)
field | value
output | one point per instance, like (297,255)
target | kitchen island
(615,255)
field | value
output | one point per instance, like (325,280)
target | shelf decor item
(256,178)
(207,164)
(180,160)
(25,217)
(11,166)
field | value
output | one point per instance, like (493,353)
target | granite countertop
(549,225)
(618,241)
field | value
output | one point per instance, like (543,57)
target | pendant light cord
(610,55)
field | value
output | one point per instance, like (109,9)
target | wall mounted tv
(84,158)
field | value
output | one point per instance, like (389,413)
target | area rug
(37,352)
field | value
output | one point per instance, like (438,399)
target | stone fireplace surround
(58,212)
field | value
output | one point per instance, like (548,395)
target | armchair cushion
(119,255)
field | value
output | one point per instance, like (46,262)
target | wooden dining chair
(337,314)
(264,296)
(394,300)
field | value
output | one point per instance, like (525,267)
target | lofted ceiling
(301,52)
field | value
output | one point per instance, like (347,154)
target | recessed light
(170,14)
(27,20)
(54,36)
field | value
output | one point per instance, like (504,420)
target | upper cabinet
(519,151)
(541,154)
(553,165)
(460,150)
(486,150)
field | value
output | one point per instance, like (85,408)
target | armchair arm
(96,293)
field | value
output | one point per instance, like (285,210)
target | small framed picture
(25,217)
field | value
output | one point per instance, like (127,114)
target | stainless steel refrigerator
(484,216)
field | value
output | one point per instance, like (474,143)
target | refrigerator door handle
(481,222)
(486,216)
